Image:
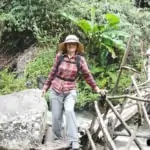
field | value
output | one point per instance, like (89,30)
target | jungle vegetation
(103,26)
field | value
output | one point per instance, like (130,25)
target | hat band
(71,40)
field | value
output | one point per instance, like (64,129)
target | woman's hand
(43,92)
(100,91)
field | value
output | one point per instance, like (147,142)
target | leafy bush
(9,83)
(41,64)
(39,17)
(94,22)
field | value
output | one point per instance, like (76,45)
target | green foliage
(103,27)
(41,65)
(3,17)
(85,98)
(104,41)
(27,13)
(9,84)
(101,37)
(142,3)
(41,18)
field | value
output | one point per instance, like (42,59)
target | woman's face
(71,47)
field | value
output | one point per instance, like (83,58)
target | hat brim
(80,48)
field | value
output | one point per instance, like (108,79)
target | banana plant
(103,39)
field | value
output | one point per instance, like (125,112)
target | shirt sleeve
(51,75)
(87,74)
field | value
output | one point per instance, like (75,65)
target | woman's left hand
(101,91)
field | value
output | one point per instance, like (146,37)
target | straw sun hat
(71,39)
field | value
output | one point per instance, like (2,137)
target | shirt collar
(65,55)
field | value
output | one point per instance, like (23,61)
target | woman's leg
(57,113)
(71,124)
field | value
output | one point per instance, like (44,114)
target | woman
(61,81)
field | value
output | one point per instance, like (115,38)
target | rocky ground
(18,61)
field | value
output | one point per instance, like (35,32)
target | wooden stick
(95,137)
(137,135)
(129,68)
(98,130)
(120,112)
(144,87)
(122,63)
(123,123)
(126,116)
(143,107)
(91,140)
(106,112)
(142,55)
(107,136)
(131,97)
(131,139)
(144,83)
(97,133)
(91,129)
(138,103)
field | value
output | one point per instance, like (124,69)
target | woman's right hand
(43,92)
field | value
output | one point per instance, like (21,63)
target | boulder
(23,117)
(24,58)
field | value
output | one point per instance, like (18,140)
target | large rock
(23,118)
(27,56)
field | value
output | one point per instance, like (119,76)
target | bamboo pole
(91,129)
(144,83)
(130,114)
(148,63)
(123,123)
(95,137)
(131,97)
(142,55)
(131,139)
(107,136)
(122,63)
(138,103)
(120,112)
(129,68)
(144,87)
(143,107)
(137,135)
(98,130)
(91,140)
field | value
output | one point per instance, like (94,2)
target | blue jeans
(64,103)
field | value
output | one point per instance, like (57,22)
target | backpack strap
(78,59)
(77,62)
(60,60)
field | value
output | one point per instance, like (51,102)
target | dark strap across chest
(60,60)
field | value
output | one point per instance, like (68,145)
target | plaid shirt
(67,70)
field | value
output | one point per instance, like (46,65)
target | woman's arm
(51,75)
(89,77)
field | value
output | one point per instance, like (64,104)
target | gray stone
(22,120)
(27,56)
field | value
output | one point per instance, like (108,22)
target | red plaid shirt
(67,70)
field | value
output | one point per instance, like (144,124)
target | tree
(142,3)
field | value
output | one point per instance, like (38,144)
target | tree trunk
(142,3)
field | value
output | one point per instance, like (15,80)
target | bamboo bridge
(104,127)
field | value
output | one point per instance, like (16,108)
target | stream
(122,141)
(84,119)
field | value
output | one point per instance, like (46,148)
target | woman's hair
(64,51)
